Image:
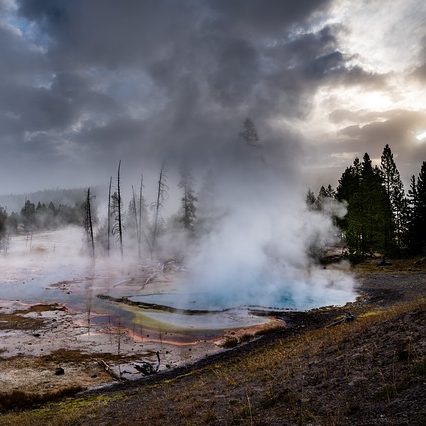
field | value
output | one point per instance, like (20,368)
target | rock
(59,371)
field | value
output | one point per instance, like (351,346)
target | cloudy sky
(84,83)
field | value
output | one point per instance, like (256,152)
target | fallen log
(110,371)
(347,317)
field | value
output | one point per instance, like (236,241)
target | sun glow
(421,136)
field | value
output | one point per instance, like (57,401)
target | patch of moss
(42,307)
(168,381)
(18,322)
(370,314)
(72,355)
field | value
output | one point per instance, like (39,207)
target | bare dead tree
(140,217)
(161,195)
(116,206)
(109,216)
(88,224)
(135,214)
(120,227)
(143,218)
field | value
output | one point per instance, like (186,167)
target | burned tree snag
(161,193)
(140,218)
(88,225)
(116,206)
(120,227)
(109,216)
(135,214)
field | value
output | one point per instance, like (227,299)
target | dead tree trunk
(120,227)
(140,219)
(109,216)
(162,188)
(135,214)
(89,224)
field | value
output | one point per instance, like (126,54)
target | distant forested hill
(15,202)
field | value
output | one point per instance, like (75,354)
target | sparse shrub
(230,342)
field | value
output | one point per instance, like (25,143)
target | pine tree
(395,219)
(3,221)
(249,133)
(188,200)
(330,192)
(417,226)
(349,182)
(375,205)
(348,191)
(4,235)
(412,200)
(361,188)
(310,200)
(322,196)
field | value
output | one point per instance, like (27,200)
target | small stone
(59,371)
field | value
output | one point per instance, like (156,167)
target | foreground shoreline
(368,371)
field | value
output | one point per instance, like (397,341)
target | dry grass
(18,322)
(67,412)
(18,399)
(397,266)
(42,307)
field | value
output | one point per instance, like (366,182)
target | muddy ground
(327,368)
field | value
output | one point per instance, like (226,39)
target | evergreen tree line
(381,217)
(142,224)
(39,217)
(135,222)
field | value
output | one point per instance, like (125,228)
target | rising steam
(259,251)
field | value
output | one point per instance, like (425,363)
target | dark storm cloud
(393,130)
(420,73)
(395,127)
(157,79)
